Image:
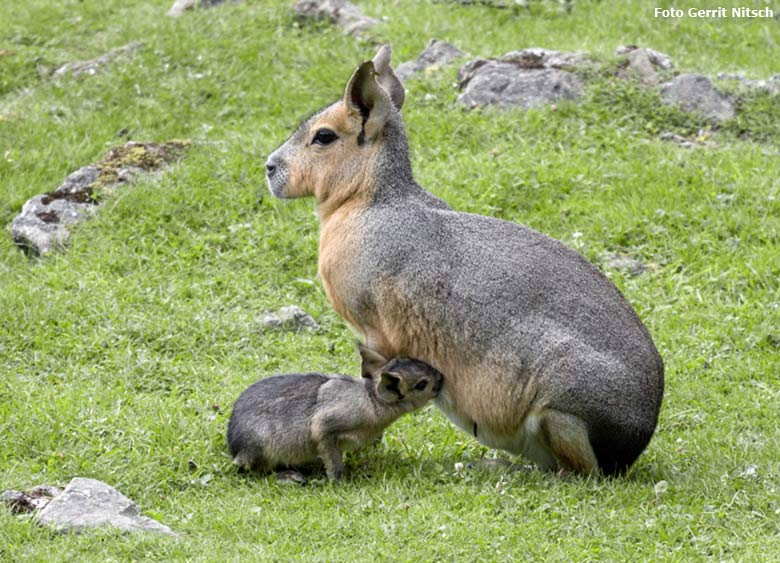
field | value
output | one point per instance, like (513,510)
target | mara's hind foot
(566,436)
(290,477)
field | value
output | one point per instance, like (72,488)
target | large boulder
(339,12)
(436,54)
(527,79)
(695,93)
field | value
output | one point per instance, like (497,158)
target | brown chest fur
(339,246)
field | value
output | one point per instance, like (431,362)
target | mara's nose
(270,168)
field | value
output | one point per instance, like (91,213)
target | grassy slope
(114,355)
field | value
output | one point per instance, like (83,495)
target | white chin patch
(275,189)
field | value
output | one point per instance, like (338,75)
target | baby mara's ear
(372,361)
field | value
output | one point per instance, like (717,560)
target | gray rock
(703,139)
(43,224)
(638,65)
(340,12)
(436,54)
(89,503)
(643,64)
(696,93)
(181,6)
(771,85)
(91,66)
(631,266)
(656,58)
(750,472)
(527,79)
(536,57)
(288,318)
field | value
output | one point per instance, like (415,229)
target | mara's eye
(421,385)
(324,137)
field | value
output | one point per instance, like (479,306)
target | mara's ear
(389,387)
(372,360)
(364,96)
(387,78)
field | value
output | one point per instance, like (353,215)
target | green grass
(120,359)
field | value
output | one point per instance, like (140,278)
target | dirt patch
(80,196)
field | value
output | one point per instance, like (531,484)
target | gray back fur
(535,309)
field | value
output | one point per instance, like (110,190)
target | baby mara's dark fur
(289,420)
(542,355)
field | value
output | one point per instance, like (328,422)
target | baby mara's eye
(421,385)
(324,137)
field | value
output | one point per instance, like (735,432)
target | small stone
(639,64)
(29,501)
(181,6)
(339,12)
(288,318)
(696,93)
(631,266)
(89,503)
(771,85)
(436,54)
(49,491)
(749,472)
(91,66)
(701,140)
(657,58)
(643,63)
(675,138)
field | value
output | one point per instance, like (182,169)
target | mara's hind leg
(566,436)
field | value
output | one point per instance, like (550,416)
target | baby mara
(289,420)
